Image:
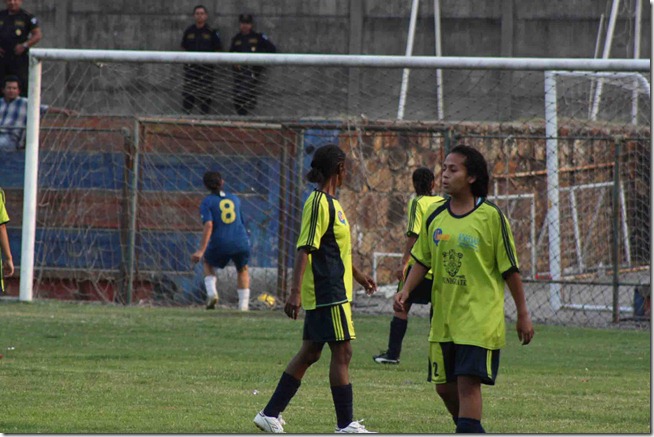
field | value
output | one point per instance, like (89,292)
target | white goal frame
(131,56)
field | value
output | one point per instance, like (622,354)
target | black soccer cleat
(384,358)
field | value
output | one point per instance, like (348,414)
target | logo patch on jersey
(452,262)
(439,236)
(341,217)
(468,241)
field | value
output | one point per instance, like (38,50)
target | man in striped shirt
(13,115)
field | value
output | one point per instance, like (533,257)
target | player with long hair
(468,244)
(322,286)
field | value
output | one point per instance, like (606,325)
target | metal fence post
(615,252)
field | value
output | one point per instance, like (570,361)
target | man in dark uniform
(198,78)
(19,30)
(247,78)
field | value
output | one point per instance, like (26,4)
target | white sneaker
(212,301)
(269,424)
(354,428)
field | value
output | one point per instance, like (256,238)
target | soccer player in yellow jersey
(322,286)
(6,266)
(467,242)
(423,184)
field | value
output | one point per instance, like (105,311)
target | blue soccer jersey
(229,235)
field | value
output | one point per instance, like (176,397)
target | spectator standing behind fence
(247,78)
(224,237)
(198,78)
(6,265)
(13,115)
(19,30)
(467,242)
(423,183)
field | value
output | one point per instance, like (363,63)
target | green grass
(85,368)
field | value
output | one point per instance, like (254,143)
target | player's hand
(2,53)
(197,256)
(236,67)
(366,282)
(398,301)
(293,303)
(525,328)
(8,267)
(19,49)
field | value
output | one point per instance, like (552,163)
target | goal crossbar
(453,62)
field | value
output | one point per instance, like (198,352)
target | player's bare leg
(449,393)
(470,404)
(243,286)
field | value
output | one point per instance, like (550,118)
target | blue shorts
(449,360)
(219,261)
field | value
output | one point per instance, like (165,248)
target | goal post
(308,98)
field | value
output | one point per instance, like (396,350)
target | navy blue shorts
(449,360)
(421,294)
(219,261)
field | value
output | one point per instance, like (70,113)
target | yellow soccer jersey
(4,217)
(470,255)
(415,212)
(325,233)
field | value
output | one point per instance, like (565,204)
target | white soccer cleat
(269,424)
(354,428)
(212,301)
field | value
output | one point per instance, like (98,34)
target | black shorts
(449,360)
(421,294)
(327,324)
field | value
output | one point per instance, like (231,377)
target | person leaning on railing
(13,115)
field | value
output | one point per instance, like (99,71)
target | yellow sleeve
(414,218)
(421,250)
(315,220)
(4,217)
(505,254)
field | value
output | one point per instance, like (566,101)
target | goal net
(118,183)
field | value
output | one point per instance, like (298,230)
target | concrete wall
(519,28)
(553,28)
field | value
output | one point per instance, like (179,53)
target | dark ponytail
(325,163)
(213,181)
(423,178)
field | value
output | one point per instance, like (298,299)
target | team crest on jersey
(452,261)
(440,236)
(341,217)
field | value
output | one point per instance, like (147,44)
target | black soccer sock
(286,389)
(467,425)
(342,396)
(398,329)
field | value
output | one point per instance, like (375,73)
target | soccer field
(91,368)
